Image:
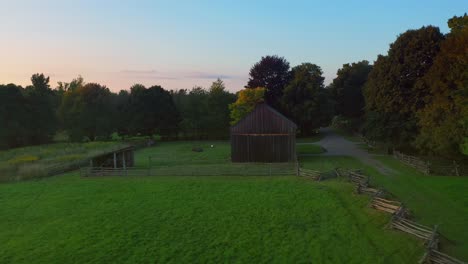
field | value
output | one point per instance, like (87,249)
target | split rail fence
(234,169)
(431,168)
(400,218)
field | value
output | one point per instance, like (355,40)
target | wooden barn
(264,135)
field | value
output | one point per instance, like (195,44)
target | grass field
(304,149)
(67,219)
(223,219)
(441,200)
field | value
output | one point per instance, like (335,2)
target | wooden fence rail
(452,168)
(360,189)
(435,256)
(312,174)
(198,170)
(415,229)
(400,216)
(385,205)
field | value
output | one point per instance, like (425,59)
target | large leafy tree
(305,99)
(218,103)
(346,89)
(390,92)
(120,103)
(272,73)
(14,130)
(204,112)
(246,101)
(87,112)
(444,119)
(41,106)
(152,111)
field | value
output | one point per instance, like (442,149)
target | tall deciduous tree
(14,126)
(390,93)
(346,89)
(305,99)
(272,73)
(444,119)
(87,112)
(151,111)
(41,106)
(218,109)
(246,101)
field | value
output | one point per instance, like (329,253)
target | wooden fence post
(297,168)
(427,171)
(456,168)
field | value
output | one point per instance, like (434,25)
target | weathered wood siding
(263,136)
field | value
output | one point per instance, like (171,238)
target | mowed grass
(180,152)
(306,149)
(432,199)
(68,219)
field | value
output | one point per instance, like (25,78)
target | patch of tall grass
(40,161)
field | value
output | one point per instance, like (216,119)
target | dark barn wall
(263,136)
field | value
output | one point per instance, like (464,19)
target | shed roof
(119,150)
(263,120)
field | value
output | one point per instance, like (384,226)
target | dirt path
(337,145)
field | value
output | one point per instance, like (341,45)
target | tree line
(413,97)
(91,111)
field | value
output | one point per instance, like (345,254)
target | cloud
(176,75)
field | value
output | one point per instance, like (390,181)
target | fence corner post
(456,168)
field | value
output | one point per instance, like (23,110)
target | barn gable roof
(264,119)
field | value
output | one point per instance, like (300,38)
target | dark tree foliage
(121,117)
(390,93)
(152,111)
(305,100)
(87,112)
(218,110)
(346,89)
(272,73)
(13,131)
(443,121)
(204,113)
(41,106)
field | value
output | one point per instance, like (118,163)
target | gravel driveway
(337,145)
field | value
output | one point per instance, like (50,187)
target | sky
(181,44)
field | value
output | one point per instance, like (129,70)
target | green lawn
(310,139)
(180,152)
(441,200)
(304,149)
(67,219)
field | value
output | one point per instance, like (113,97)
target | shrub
(22,159)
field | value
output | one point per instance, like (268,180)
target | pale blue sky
(180,44)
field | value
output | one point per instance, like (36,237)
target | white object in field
(211,145)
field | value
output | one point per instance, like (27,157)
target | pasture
(193,219)
(170,219)
(432,199)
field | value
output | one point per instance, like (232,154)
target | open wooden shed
(264,135)
(119,158)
